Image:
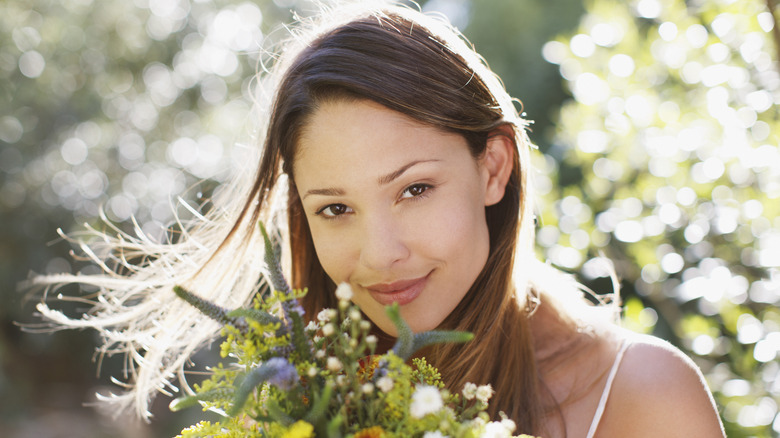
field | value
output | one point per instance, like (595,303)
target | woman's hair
(409,62)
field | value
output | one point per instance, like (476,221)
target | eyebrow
(382,180)
(390,177)
(324,192)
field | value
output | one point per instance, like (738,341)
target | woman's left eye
(415,190)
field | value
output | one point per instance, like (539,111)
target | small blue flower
(283,373)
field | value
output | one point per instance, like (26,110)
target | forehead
(334,116)
(360,126)
(353,139)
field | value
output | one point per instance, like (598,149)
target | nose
(382,244)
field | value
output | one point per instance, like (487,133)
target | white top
(605,395)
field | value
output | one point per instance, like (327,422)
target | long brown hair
(397,59)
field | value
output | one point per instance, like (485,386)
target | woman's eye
(415,190)
(333,210)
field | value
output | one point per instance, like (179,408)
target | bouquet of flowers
(322,379)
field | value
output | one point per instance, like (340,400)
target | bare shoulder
(659,391)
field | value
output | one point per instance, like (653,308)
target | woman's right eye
(333,210)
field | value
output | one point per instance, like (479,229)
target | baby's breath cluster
(322,378)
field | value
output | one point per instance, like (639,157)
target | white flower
(312,326)
(494,429)
(509,425)
(484,392)
(324,315)
(365,325)
(344,292)
(371,340)
(385,384)
(436,434)
(319,354)
(334,364)
(425,400)
(367,388)
(469,391)
(355,314)
(312,372)
(328,330)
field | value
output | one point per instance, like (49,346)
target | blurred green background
(656,121)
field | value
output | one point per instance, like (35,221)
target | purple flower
(283,373)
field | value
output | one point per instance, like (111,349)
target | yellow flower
(300,429)
(371,432)
(366,368)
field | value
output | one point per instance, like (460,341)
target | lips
(401,292)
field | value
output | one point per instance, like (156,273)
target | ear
(497,163)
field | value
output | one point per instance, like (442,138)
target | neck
(552,331)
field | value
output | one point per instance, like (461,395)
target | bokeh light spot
(554,52)
(766,21)
(629,231)
(667,31)
(31,64)
(621,65)
(672,263)
(74,151)
(582,45)
(696,35)
(649,8)
(589,89)
(11,129)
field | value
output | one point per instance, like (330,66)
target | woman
(404,169)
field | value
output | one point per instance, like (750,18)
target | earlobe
(498,162)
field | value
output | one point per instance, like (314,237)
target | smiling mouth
(401,292)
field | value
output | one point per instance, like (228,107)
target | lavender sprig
(408,343)
(213,311)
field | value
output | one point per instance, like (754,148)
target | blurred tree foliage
(666,161)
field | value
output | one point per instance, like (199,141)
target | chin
(423,327)
(389,328)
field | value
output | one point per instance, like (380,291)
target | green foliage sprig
(296,380)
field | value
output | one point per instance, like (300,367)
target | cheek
(452,226)
(333,252)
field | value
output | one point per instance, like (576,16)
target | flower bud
(355,315)
(385,384)
(484,393)
(334,364)
(328,330)
(469,391)
(344,292)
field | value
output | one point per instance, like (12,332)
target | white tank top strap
(605,395)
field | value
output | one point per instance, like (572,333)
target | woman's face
(395,208)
